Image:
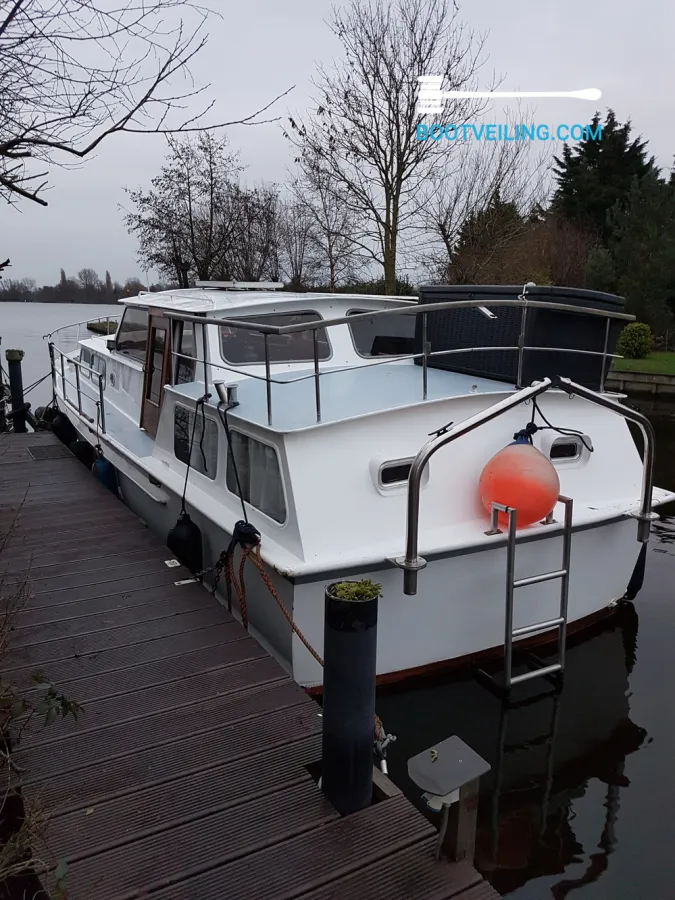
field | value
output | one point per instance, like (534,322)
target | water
(22,326)
(588,815)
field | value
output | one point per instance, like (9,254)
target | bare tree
(333,221)
(184,222)
(255,250)
(74,72)
(89,280)
(363,129)
(297,243)
(197,221)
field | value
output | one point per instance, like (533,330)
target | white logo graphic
(432,97)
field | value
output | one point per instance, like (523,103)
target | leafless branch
(75,72)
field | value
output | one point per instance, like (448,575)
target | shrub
(635,341)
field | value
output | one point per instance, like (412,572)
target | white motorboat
(323,420)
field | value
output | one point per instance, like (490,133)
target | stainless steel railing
(411,563)
(59,361)
(78,325)
(408,309)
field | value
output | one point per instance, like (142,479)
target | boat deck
(345,393)
(186,777)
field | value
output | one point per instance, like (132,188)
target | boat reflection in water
(544,750)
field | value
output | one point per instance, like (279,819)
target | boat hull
(458,612)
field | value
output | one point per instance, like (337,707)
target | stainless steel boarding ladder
(511,634)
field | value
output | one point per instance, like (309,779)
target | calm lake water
(582,803)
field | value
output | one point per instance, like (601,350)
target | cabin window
(132,335)
(259,475)
(394,473)
(204,458)
(185,344)
(392,335)
(241,347)
(566,448)
(85,359)
(98,364)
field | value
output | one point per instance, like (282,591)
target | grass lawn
(655,364)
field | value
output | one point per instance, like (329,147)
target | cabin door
(157,371)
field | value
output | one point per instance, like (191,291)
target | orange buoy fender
(520,476)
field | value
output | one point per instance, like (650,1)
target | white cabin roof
(211,300)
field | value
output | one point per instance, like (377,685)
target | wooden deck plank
(103,763)
(414,872)
(293,867)
(85,831)
(187,775)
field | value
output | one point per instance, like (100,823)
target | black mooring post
(349,672)
(3,408)
(14,358)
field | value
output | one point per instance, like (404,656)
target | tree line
(87,287)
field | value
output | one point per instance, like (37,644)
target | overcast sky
(261,47)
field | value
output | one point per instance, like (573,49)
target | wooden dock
(186,776)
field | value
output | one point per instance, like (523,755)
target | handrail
(110,318)
(412,310)
(79,365)
(411,563)
(645,516)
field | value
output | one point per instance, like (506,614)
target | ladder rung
(536,673)
(538,626)
(537,579)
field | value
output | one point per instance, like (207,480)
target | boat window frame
(562,441)
(126,353)
(177,356)
(193,411)
(285,362)
(583,443)
(355,311)
(396,486)
(85,373)
(235,493)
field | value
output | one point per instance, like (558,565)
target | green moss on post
(355,590)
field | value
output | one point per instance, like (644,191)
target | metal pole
(411,563)
(101,403)
(14,358)
(601,388)
(425,350)
(317,381)
(521,344)
(53,368)
(206,373)
(3,407)
(268,379)
(565,579)
(349,671)
(63,376)
(645,516)
(510,577)
(79,392)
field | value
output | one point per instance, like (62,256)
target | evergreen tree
(596,175)
(108,284)
(643,250)
(482,248)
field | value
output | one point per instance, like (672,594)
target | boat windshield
(239,346)
(383,335)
